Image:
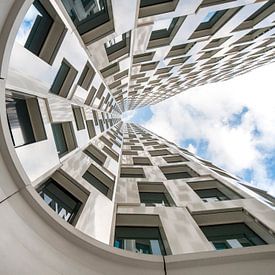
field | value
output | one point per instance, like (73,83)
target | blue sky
(230,123)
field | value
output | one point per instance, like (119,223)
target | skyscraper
(81,191)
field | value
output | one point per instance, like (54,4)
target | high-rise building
(81,191)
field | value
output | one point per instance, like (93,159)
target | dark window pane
(87,15)
(179,175)
(78,118)
(146,3)
(231,236)
(19,121)
(146,240)
(40,29)
(212,194)
(153,198)
(60,200)
(95,182)
(60,78)
(59,139)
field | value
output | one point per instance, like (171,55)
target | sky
(230,123)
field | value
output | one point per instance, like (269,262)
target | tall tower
(81,191)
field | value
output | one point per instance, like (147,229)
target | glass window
(87,14)
(59,138)
(146,3)
(178,175)
(60,78)
(165,32)
(78,118)
(95,182)
(145,240)
(211,195)
(234,235)
(154,198)
(19,121)
(60,200)
(35,28)
(209,16)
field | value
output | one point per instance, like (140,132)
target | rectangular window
(42,31)
(64,137)
(129,172)
(178,172)
(78,118)
(154,198)
(174,159)
(145,240)
(141,161)
(95,182)
(91,128)
(94,153)
(86,77)
(60,200)
(211,195)
(236,235)
(156,153)
(25,120)
(64,79)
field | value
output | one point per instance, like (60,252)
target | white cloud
(127,116)
(205,113)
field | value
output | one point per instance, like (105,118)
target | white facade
(61,104)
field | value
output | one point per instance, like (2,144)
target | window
(64,79)
(87,14)
(64,137)
(156,7)
(91,128)
(145,240)
(211,19)
(234,235)
(164,31)
(94,153)
(78,118)
(24,119)
(153,198)
(174,159)
(128,172)
(60,200)
(42,31)
(99,180)
(118,46)
(178,172)
(87,76)
(141,161)
(211,195)
(156,153)
(95,182)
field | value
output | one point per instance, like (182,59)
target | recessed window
(78,118)
(129,153)
(42,31)
(141,161)
(87,76)
(94,153)
(91,128)
(145,240)
(64,137)
(99,180)
(64,79)
(24,120)
(87,14)
(118,46)
(234,235)
(153,198)
(95,182)
(156,153)
(211,195)
(60,200)
(210,20)
(178,172)
(129,172)
(174,159)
